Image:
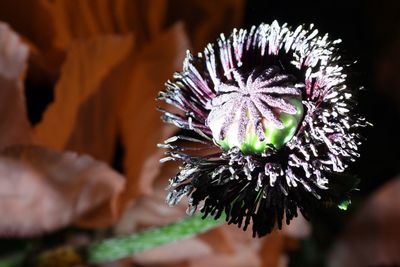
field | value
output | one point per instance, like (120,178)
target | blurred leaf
(42,190)
(14,124)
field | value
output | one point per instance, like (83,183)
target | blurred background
(79,128)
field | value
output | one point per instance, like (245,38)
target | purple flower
(270,114)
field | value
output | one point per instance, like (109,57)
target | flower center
(263,111)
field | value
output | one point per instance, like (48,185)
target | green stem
(120,247)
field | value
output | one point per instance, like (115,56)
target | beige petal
(42,190)
(299,228)
(175,252)
(231,247)
(14,124)
(151,210)
(82,116)
(244,258)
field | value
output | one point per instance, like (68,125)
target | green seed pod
(274,136)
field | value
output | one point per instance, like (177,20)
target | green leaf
(344,204)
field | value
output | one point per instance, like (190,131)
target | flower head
(272,115)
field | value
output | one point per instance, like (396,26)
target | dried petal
(42,190)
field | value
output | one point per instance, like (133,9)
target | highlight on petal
(14,126)
(42,190)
